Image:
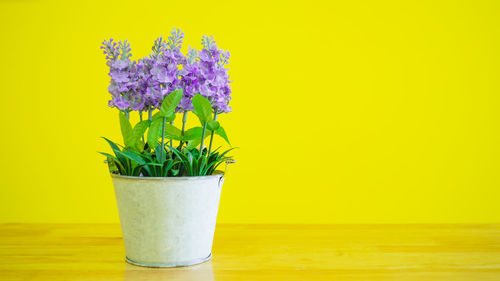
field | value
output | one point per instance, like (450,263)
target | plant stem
(171,144)
(163,140)
(140,118)
(212,134)
(184,119)
(127,114)
(203,137)
(150,113)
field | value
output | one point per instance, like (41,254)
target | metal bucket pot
(168,222)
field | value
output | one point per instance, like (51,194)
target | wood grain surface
(262,252)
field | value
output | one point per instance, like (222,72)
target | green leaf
(167,165)
(196,141)
(193,143)
(170,103)
(133,157)
(220,131)
(158,152)
(109,156)
(126,129)
(140,128)
(171,118)
(115,148)
(225,152)
(140,146)
(156,116)
(120,166)
(172,132)
(202,108)
(202,163)
(145,156)
(193,133)
(213,125)
(154,132)
(112,144)
(208,170)
(138,131)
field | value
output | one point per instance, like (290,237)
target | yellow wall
(344,111)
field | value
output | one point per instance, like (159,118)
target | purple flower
(142,85)
(110,49)
(121,103)
(213,80)
(119,76)
(126,75)
(159,73)
(121,64)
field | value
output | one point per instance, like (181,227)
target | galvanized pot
(168,222)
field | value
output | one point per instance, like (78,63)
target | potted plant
(166,180)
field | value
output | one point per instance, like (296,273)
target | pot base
(180,264)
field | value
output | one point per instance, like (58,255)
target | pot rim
(218,175)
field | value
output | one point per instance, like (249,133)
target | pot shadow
(199,272)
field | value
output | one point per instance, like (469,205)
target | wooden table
(262,252)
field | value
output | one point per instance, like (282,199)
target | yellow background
(344,111)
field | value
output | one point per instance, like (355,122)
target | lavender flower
(124,76)
(110,49)
(214,80)
(142,85)
(190,77)
(164,70)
